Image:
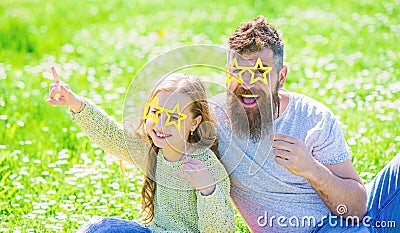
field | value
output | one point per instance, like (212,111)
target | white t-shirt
(270,198)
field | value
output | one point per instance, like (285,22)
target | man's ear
(196,122)
(282,76)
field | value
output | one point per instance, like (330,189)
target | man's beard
(254,123)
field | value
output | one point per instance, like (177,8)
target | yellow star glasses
(239,70)
(174,116)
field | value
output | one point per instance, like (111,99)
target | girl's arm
(111,136)
(215,211)
(98,126)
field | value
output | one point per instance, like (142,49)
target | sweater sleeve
(111,136)
(215,211)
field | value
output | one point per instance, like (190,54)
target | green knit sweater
(178,206)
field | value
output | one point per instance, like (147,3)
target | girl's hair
(203,137)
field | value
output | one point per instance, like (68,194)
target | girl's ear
(195,123)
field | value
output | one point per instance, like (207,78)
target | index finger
(55,75)
(284,137)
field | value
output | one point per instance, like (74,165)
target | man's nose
(246,77)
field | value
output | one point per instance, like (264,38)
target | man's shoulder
(308,105)
(218,104)
(218,99)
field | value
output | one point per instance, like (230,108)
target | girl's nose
(162,117)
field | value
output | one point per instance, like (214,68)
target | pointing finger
(55,75)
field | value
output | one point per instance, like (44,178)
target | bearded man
(288,161)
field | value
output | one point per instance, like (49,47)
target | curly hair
(254,35)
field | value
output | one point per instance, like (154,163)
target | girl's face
(169,121)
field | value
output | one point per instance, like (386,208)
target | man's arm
(341,189)
(338,185)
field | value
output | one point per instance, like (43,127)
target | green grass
(343,53)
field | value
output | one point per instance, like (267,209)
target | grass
(343,53)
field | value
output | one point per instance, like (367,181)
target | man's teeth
(161,135)
(250,96)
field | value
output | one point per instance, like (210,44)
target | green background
(343,53)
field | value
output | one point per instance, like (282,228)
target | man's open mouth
(248,101)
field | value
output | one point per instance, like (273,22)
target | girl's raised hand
(198,175)
(61,95)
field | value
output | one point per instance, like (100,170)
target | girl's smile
(169,122)
(160,135)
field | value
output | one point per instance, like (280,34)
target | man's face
(255,91)
(266,56)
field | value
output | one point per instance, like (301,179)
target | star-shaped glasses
(174,116)
(239,70)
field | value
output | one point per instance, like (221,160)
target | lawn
(53,179)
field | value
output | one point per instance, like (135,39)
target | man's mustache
(248,91)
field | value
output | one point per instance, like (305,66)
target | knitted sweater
(178,206)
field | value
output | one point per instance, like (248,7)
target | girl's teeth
(161,135)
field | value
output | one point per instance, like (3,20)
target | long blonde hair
(203,137)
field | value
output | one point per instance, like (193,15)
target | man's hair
(254,35)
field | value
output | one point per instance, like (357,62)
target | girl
(186,188)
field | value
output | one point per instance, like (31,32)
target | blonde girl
(186,188)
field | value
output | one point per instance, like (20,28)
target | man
(308,175)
